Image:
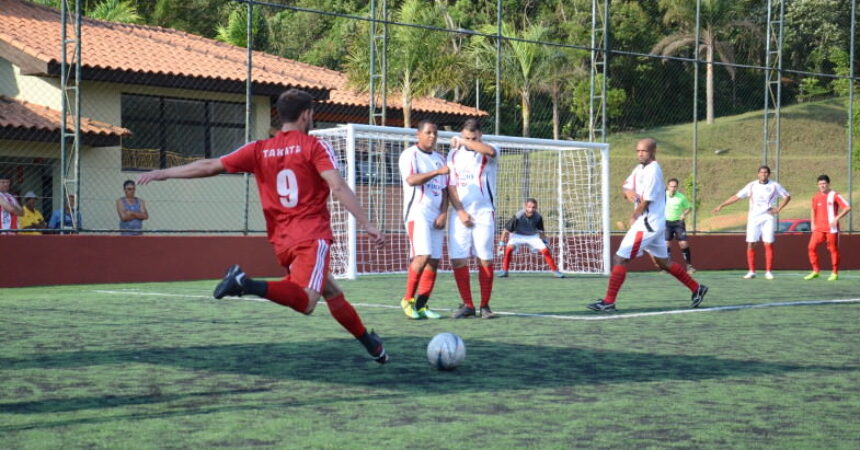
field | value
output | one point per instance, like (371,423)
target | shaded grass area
(161,365)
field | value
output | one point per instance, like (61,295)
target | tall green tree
(717,18)
(523,63)
(116,11)
(418,58)
(236,30)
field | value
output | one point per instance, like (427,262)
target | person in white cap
(32,218)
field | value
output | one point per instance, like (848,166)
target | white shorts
(534,241)
(638,240)
(424,239)
(476,240)
(761,228)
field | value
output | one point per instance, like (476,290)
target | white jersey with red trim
(762,196)
(8,220)
(647,182)
(474,175)
(423,201)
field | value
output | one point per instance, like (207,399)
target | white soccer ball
(446,351)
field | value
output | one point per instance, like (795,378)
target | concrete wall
(78,259)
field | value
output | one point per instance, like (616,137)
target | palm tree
(116,11)
(523,63)
(716,17)
(418,58)
(236,30)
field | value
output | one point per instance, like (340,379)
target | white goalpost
(569,180)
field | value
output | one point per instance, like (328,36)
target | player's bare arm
(341,191)
(728,202)
(417,179)
(473,145)
(630,195)
(454,198)
(442,218)
(782,205)
(839,216)
(11,207)
(198,169)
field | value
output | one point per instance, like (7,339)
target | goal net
(569,180)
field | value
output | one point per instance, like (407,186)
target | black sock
(421,301)
(254,287)
(687,255)
(669,252)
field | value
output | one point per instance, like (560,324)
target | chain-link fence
(722,90)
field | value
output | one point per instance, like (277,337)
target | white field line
(596,316)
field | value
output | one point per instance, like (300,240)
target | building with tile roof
(154,97)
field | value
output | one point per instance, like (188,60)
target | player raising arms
(761,220)
(824,216)
(647,229)
(472,191)
(425,211)
(294,173)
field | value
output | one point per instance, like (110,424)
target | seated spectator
(10,210)
(66,216)
(33,218)
(131,210)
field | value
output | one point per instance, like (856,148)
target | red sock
(428,279)
(813,256)
(768,256)
(506,261)
(345,314)
(751,259)
(682,276)
(485,278)
(461,276)
(288,294)
(411,283)
(548,258)
(616,279)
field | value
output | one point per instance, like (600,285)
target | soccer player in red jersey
(824,217)
(294,173)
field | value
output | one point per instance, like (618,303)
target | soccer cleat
(698,296)
(690,269)
(408,306)
(231,284)
(601,306)
(558,274)
(502,274)
(833,277)
(464,312)
(487,313)
(427,313)
(376,349)
(749,275)
(768,275)
(811,276)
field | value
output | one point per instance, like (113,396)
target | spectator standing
(131,210)
(33,218)
(10,210)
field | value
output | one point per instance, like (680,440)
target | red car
(793,226)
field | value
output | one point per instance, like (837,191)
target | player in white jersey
(471,190)
(648,223)
(761,220)
(425,211)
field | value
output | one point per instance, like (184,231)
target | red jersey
(294,196)
(825,207)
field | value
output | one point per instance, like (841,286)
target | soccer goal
(569,179)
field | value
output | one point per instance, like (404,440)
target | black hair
(764,167)
(824,178)
(531,200)
(673,179)
(423,122)
(127,182)
(472,125)
(292,103)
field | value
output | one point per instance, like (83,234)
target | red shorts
(307,263)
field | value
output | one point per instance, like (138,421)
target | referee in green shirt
(677,208)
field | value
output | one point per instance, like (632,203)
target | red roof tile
(34,32)
(28,116)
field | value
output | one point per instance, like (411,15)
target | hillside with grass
(814,141)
